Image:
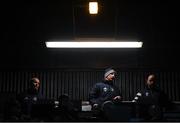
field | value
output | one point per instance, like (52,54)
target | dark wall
(78,82)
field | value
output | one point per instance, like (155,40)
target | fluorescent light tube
(94,44)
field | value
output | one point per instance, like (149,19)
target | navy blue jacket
(103,91)
(153,96)
(27,99)
(151,102)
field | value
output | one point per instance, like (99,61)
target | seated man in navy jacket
(151,100)
(28,98)
(105,92)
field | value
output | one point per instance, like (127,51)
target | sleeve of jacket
(94,95)
(119,92)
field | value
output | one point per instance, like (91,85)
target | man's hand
(117,98)
(95,105)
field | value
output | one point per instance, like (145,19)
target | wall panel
(77,82)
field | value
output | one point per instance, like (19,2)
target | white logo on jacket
(105,89)
(147,94)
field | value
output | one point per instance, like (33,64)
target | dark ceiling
(25,27)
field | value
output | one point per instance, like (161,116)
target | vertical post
(74,22)
(116,19)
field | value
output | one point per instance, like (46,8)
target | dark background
(25,26)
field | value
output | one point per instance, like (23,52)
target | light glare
(93,7)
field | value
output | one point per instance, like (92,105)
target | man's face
(36,83)
(111,77)
(151,80)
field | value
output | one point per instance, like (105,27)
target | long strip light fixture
(92,44)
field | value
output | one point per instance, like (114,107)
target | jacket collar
(108,82)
